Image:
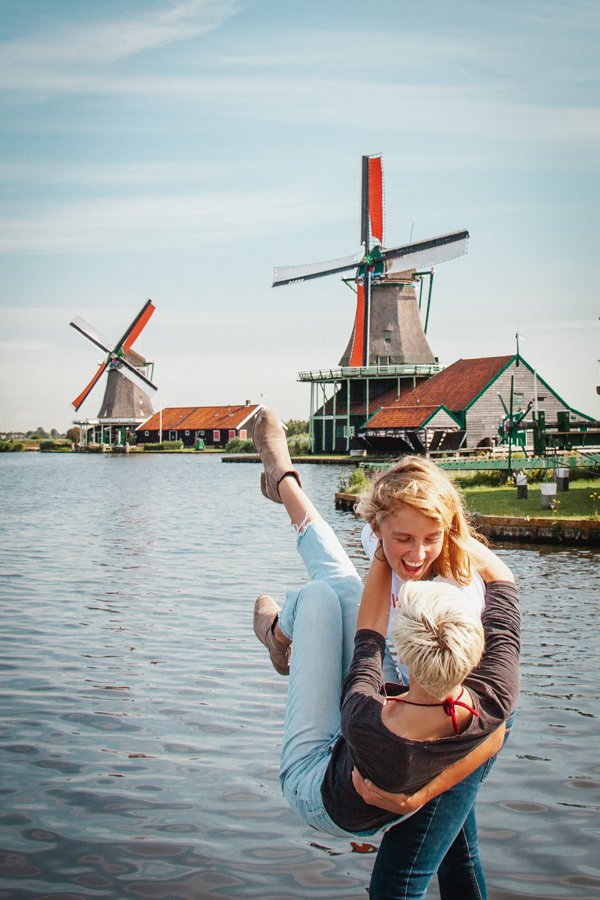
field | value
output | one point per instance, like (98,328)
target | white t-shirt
(474,593)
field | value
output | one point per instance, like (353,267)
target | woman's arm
(374,611)
(458,771)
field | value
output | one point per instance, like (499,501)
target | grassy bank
(580,501)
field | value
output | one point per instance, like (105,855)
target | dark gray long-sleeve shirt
(401,765)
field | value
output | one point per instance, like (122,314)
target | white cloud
(154,174)
(50,61)
(190,222)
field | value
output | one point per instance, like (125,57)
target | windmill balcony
(352,372)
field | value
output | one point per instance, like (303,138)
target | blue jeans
(440,837)
(320,619)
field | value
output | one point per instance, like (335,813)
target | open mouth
(413,570)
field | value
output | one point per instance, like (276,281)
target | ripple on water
(145,720)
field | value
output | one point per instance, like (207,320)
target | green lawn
(575,503)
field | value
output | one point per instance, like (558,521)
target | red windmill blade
(373,261)
(116,357)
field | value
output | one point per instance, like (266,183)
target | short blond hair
(417,483)
(438,635)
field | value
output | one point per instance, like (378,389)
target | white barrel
(548,495)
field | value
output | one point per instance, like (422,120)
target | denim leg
(411,852)
(460,874)
(326,561)
(312,714)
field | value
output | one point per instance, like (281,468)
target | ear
(375,528)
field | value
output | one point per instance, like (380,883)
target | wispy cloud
(152,175)
(54,60)
(170,222)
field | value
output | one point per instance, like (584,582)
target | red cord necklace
(448,706)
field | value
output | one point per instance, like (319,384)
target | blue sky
(180,149)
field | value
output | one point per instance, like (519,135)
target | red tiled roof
(401,417)
(458,385)
(194,418)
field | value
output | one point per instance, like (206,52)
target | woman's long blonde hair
(417,483)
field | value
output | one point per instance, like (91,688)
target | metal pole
(347,414)
(428,301)
(510,412)
(367,317)
(334,428)
(324,418)
(365,238)
(311,423)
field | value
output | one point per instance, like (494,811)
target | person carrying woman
(342,766)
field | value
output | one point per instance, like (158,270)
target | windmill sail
(393,332)
(295,274)
(122,362)
(425,254)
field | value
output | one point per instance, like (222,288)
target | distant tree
(296,426)
(54,433)
(41,432)
(74,434)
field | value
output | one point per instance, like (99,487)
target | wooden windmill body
(388,349)
(396,335)
(126,402)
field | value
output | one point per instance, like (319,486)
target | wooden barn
(467,406)
(214,426)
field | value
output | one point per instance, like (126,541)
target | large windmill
(126,402)
(387,315)
(388,347)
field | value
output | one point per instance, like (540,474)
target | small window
(146,434)
(231,433)
(387,336)
(216,435)
(243,435)
(518,399)
(187,432)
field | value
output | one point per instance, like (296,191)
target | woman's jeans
(440,837)
(320,618)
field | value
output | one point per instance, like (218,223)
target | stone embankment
(522,530)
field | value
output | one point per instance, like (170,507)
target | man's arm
(458,771)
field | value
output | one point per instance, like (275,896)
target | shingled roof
(455,388)
(200,418)
(405,416)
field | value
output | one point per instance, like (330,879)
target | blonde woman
(343,767)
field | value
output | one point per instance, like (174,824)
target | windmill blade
(293,274)
(376,198)
(135,375)
(87,389)
(136,327)
(90,333)
(358,333)
(371,201)
(504,406)
(425,254)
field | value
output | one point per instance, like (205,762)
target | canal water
(141,719)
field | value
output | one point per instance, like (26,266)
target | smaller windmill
(387,315)
(126,402)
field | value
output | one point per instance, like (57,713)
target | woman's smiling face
(411,542)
